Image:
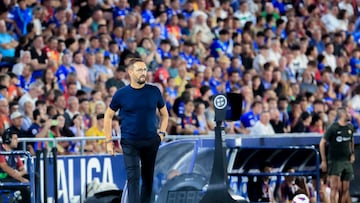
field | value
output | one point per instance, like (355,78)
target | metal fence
(30,169)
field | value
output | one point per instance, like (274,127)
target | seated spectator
(60,129)
(303,124)
(248,119)
(263,126)
(12,168)
(97,130)
(187,123)
(278,125)
(291,186)
(261,190)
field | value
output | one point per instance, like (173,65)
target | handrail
(31,171)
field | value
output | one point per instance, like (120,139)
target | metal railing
(30,170)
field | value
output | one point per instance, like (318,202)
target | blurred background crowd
(293,63)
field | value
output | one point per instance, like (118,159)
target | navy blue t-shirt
(138,111)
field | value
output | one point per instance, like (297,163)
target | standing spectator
(8,43)
(338,162)
(39,59)
(22,16)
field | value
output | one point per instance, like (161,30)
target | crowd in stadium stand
(293,62)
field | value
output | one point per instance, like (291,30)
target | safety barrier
(186,161)
(30,169)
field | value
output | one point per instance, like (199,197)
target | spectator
(25,59)
(187,123)
(303,124)
(4,115)
(39,128)
(278,125)
(249,119)
(263,126)
(12,167)
(261,190)
(96,131)
(289,188)
(8,43)
(28,117)
(39,58)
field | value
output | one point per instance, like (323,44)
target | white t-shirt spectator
(331,22)
(261,129)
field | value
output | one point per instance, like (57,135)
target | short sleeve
(115,101)
(20,164)
(160,101)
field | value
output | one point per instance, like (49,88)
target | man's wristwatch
(162,133)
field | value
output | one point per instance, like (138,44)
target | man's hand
(24,180)
(110,148)
(323,166)
(161,136)
(352,158)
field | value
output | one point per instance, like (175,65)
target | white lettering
(107,171)
(72,197)
(92,164)
(82,177)
(62,184)
(41,180)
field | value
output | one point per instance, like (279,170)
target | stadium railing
(30,169)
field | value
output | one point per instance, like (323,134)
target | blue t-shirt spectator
(249,119)
(190,59)
(218,45)
(148,17)
(26,84)
(22,18)
(164,54)
(4,39)
(354,62)
(62,72)
(118,12)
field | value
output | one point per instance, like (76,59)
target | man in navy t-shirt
(141,132)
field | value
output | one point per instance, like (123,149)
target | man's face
(14,141)
(138,73)
(17,122)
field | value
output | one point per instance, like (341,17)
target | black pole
(54,152)
(37,174)
(218,189)
(45,174)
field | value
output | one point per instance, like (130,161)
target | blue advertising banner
(75,171)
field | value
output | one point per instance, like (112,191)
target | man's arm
(12,172)
(164,119)
(323,165)
(109,114)
(352,150)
